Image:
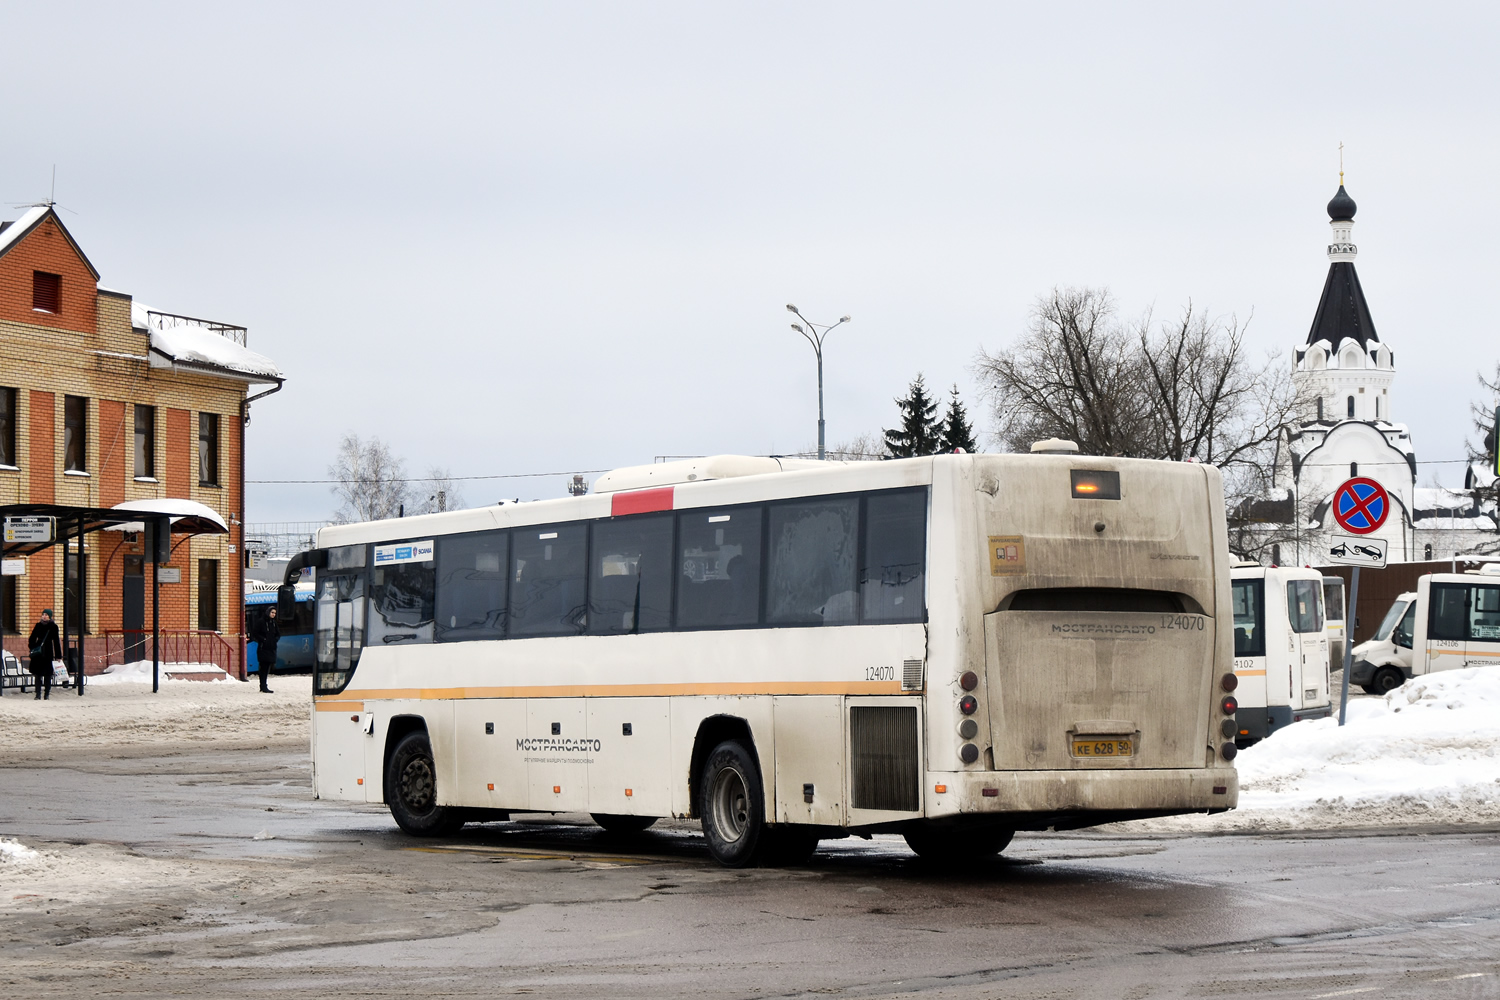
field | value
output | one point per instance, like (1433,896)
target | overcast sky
(555,237)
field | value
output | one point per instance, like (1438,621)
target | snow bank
(139,672)
(1427,753)
(13,852)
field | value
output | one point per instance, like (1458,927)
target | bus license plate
(1102,748)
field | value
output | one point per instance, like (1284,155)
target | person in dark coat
(45,646)
(266,637)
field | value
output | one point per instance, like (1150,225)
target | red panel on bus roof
(641,501)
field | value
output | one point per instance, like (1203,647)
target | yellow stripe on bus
(324,705)
(1249,673)
(609,691)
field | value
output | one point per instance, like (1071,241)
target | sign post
(1360,506)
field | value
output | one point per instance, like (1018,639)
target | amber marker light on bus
(1095,484)
(940,789)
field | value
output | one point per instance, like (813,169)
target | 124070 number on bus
(880,673)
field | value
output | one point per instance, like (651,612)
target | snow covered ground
(125,713)
(1427,753)
(139,672)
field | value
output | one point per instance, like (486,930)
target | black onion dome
(1341,208)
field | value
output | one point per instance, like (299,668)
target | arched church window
(1351,407)
(1276,555)
(1353,470)
(1377,408)
(1320,407)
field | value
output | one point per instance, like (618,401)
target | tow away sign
(1349,550)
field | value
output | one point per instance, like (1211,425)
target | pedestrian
(45,646)
(266,636)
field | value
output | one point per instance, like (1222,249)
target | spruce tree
(957,431)
(919,433)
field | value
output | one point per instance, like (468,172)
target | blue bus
(294,651)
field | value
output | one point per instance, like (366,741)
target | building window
(75,433)
(145,441)
(1351,407)
(1276,555)
(208,595)
(76,569)
(8,427)
(1353,469)
(208,449)
(1427,551)
(8,623)
(1320,407)
(46,292)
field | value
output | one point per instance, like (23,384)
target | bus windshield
(1389,621)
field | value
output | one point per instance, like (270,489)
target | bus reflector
(491,786)
(557,789)
(940,789)
(1221,789)
(629,793)
(359,781)
(641,501)
(989,793)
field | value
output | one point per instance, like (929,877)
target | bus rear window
(1248,599)
(1304,605)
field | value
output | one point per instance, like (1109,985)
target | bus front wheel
(957,845)
(411,788)
(1386,680)
(731,805)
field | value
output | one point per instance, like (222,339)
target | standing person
(45,646)
(266,638)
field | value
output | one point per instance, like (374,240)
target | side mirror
(286,602)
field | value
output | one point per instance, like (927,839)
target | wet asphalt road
(332,901)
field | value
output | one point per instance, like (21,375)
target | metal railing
(178,647)
(156,320)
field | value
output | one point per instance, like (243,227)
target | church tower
(1343,372)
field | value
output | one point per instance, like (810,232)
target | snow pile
(1427,753)
(13,852)
(139,672)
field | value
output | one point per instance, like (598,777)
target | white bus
(954,648)
(1451,620)
(1280,648)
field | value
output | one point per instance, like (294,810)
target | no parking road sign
(1360,505)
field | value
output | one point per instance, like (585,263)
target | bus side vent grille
(911,675)
(884,766)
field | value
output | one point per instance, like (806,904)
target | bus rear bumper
(1071,799)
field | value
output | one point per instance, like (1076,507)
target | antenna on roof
(51,201)
(52,195)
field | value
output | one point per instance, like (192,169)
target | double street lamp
(815,333)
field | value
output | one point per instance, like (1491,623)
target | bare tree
(370,481)
(1074,374)
(439,491)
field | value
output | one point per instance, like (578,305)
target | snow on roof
(21,226)
(203,518)
(192,344)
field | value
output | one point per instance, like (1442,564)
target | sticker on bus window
(403,552)
(1007,555)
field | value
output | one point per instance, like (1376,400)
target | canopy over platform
(186,517)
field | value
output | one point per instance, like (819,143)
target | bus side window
(718,567)
(548,580)
(892,584)
(1484,614)
(1448,618)
(630,582)
(401,604)
(471,576)
(813,553)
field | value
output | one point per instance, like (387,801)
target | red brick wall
(182,439)
(45,248)
(108,546)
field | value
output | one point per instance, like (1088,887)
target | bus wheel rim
(731,804)
(417,784)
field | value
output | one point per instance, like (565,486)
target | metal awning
(186,517)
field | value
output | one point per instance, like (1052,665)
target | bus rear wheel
(613,823)
(731,806)
(411,790)
(951,846)
(1386,680)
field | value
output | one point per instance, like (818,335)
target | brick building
(102,401)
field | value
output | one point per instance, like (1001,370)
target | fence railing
(178,646)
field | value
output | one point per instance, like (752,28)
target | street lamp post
(815,334)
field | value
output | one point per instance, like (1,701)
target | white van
(1451,621)
(1333,610)
(1280,648)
